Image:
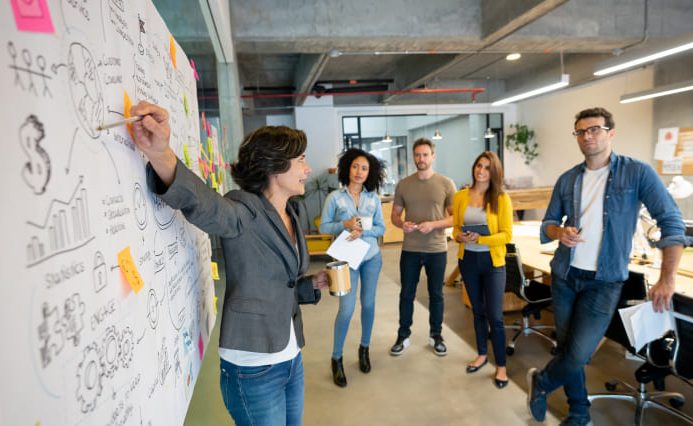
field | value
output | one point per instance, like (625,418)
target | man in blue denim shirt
(600,200)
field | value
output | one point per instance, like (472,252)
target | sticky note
(200,346)
(185,104)
(192,65)
(215,271)
(129,270)
(204,120)
(172,50)
(214,181)
(186,155)
(210,147)
(215,304)
(127,104)
(32,16)
(220,177)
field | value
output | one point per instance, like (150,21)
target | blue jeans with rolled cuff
(583,308)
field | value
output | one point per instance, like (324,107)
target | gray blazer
(264,272)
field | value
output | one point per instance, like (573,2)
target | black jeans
(485,286)
(410,264)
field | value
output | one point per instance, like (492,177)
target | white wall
(323,128)
(552,116)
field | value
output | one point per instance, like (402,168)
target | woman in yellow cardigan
(482,257)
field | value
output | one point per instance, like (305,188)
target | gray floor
(420,388)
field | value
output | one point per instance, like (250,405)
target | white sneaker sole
(405,345)
(432,343)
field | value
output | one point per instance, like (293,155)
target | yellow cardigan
(500,224)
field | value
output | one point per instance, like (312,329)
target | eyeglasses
(594,130)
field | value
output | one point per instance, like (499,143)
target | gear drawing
(111,352)
(127,346)
(89,375)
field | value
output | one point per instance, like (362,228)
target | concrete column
(230,113)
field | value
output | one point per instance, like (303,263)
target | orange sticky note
(129,270)
(127,104)
(172,50)
(215,271)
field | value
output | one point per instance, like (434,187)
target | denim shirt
(630,184)
(339,206)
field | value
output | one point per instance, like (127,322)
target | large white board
(81,344)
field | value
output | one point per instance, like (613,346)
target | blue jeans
(583,308)
(369,271)
(485,287)
(410,264)
(265,395)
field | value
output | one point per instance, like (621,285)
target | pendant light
(489,133)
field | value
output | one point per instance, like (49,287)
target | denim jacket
(339,206)
(630,184)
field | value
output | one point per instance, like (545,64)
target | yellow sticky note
(129,270)
(215,304)
(186,155)
(215,271)
(172,50)
(214,181)
(127,104)
(185,104)
(210,148)
(220,177)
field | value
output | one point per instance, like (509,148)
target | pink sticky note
(200,346)
(192,64)
(32,16)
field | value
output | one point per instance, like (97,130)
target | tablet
(480,228)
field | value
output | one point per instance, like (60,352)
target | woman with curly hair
(356,208)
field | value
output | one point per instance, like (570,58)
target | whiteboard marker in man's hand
(132,119)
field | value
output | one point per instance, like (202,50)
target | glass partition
(464,137)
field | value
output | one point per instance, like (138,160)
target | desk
(532,257)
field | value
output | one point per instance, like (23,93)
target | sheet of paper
(644,325)
(526,229)
(673,166)
(665,150)
(351,252)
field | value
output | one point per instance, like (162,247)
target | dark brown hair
(596,112)
(265,152)
(495,188)
(423,141)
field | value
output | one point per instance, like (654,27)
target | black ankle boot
(338,373)
(364,359)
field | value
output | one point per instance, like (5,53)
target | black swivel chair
(656,355)
(536,294)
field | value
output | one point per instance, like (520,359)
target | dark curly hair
(596,112)
(376,169)
(265,152)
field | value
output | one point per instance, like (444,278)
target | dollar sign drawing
(37,170)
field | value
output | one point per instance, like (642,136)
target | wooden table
(530,198)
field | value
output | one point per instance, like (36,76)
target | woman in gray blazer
(265,257)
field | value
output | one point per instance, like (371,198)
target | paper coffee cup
(339,278)
(366,222)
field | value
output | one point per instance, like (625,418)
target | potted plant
(522,141)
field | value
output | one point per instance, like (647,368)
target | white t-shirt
(255,359)
(586,253)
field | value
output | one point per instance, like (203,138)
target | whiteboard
(82,345)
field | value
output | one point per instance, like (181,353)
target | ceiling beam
(498,21)
(308,71)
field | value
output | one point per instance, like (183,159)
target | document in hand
(644,325)
(351,252)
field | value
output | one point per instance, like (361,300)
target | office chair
(536,294)
(656,355)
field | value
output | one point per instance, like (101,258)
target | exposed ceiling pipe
(473,90)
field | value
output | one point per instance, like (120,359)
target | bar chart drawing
(65,228)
